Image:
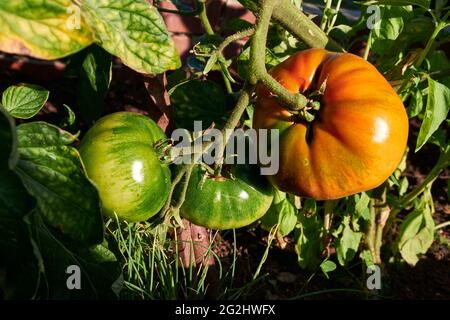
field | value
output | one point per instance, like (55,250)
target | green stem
(299,25)
(204,17)
(293,101)
(442,163)
(328,215)
(270,237)
(383,211)
(234,37)
(227,83)
(175,182)
(371,232)
(233,120)
(368,45)
(333,20)
(328,207)
(236,114)
(209,30)
(442,225)
(182,197)
(422,56)
(219,52)
(323,22)
(424,52)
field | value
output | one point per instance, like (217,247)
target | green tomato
(226,202)
(119,156)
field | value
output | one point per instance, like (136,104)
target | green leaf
(8,141)
(70,117)
(416,103)
(403,186)
(421,3)
(309,207)
(100,269)
(281,212)
(327,266)
(23,101)
(416,234)
(134,31)
(249,111)
(93,82)
(347,245)
(391,24)
(362,206)
(198,100)
(308,244)
(438,61)
(52,172)
(438,105)
(49,29)
(15,202)
(18,259)
(366,256)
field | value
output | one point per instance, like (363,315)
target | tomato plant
(137,110)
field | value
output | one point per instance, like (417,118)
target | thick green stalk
(297,23)
(203,17)
(233,120)
(258,73)
(424,52)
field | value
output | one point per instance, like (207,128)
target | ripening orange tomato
(356,140)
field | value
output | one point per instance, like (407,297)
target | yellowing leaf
(45,29)
(134,31)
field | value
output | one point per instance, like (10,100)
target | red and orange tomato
(358,137)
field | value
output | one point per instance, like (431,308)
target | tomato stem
(368,45)
(233,120)
(406,200)
(258,72)
(328,208)
(303,28)
(324,21)
(201,4)
(234,37)
(204,17)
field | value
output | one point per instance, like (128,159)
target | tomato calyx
(311,111)
(163,149)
